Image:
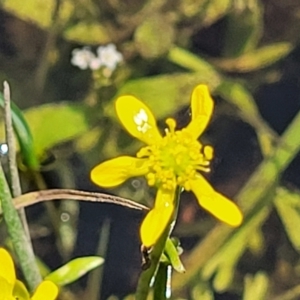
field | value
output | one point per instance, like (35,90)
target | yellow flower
(12,289)
(176,159)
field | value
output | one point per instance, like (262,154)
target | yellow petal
(115,171)
(202,107)
(20,291)
(47,290)
(6,290)
(137,119)
(7,269)
(217,204)
(158,218)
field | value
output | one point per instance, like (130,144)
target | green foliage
(74,269)
(36,11)
(244,37)
(256,286)
(171,256)
(162,93)
(150,40)
(97,33)
(256,59)
(236,48)
(24,136)
(288,206)
(52,124)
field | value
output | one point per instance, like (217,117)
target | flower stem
(160,288)
(13,169)
(146,276)
(18,237)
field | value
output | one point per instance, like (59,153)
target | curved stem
(69,194)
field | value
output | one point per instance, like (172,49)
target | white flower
(95,63)
(109,56)
(83,58)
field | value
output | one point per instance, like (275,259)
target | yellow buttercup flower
(12,289)
(175,159)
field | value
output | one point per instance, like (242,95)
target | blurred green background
(246,51)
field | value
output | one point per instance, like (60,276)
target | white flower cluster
(107,57)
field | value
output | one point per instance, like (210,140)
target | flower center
(176,158)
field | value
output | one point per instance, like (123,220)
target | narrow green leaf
(256,59)
(288,206)
(74,269)
(24,136)
(172,254)
(195,63)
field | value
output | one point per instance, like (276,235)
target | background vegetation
(247,52)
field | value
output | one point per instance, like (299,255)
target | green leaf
(256,59)
(164,94)
(195,63)
(87,33)
(288,206)
(150,40)
(55,123)
(38,12)
(74,269)
(172,254)
(244,28)
(23,135)
(40,128)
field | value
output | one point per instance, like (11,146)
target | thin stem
(16,232)
(161,285)
(69,194)
(13,169)
(146,276)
